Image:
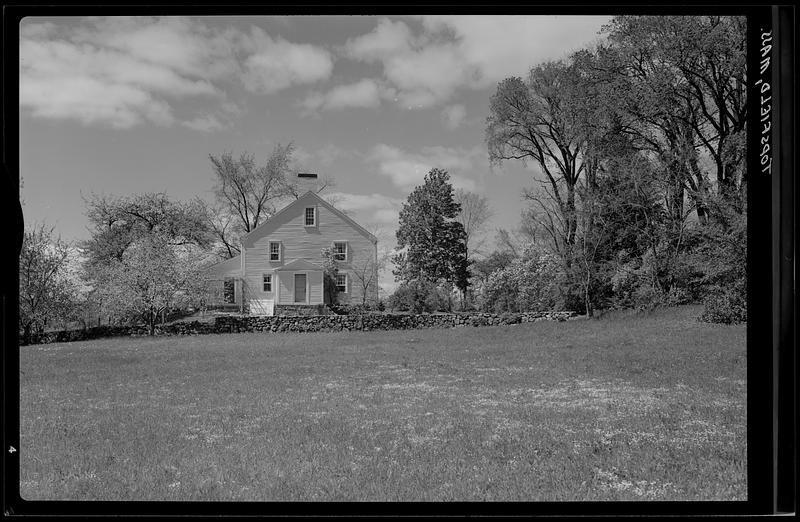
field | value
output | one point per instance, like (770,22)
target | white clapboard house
(280,267)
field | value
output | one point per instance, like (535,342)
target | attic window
(340,250)
(274,251)
(311,216)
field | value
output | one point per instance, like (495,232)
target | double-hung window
(274,251)
(340,250)
(267,282)
(341,282)
(311,217)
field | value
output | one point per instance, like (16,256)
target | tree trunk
(588,301)
(26,333)
(729,189)
(675,194)
(699,194)
(151,319)
(570,217)
(587,284)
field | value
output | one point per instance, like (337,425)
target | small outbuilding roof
(227,268)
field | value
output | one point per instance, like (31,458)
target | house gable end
(292,210)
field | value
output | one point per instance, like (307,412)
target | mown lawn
(620,408)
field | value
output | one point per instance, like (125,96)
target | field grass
(619,408)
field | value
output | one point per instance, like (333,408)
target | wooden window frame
(305,216)
(264,283)
(336,254)
(280,253)
(341,274)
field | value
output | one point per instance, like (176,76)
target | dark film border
(770,219)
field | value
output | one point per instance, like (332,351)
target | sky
(128,105)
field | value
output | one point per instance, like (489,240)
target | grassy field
(619,408)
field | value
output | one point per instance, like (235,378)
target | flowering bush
(526,284)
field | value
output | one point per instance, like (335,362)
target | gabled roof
(225,268)
(299,264)
(325,204)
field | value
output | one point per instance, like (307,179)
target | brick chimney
(307,181)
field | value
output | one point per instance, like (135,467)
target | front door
(299,288)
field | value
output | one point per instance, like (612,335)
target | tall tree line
(640,142)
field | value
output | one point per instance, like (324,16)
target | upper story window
(340,250)
(274,251)
(311,216)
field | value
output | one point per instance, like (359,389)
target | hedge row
(323,323)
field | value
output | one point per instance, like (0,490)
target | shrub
(330,269)
(419,296)
(510,318)
(529,283)
(678,296)
(726,306)
(350,309)
(647,298)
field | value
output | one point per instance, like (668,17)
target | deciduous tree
(474,215)
(145,254)
(46,292)
(150,278)
(538,120)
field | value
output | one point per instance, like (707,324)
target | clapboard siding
(315,287)
(287,288)
(301,242)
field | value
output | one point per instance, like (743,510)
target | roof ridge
(338,212)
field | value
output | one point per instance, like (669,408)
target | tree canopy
(146,254)
(46,293)
(430,238)
(639,149)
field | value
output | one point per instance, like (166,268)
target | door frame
(294,286)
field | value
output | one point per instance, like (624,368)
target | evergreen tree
(431,242)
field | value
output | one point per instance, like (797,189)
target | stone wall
(306,310)
(318,323)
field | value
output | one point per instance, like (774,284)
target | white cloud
(125,71)
(92,100)
(330,153)
(276,64)
(37,30)
(475,52)
(301,156)
(320,157)
(423,71)
(184,45)
(408,169)
(387,39)
(453,116)
(502,46)
(364,93)
(362,202)
(207,123)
